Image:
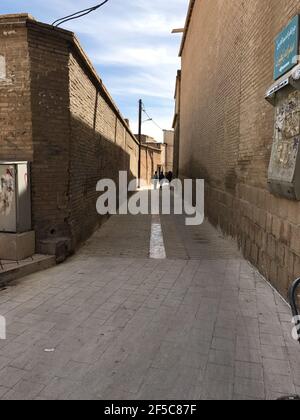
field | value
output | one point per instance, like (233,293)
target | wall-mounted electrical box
(15,197)
(284,95)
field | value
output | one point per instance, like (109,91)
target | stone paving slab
(113,325)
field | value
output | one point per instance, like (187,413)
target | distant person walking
(156,180)
(170,177)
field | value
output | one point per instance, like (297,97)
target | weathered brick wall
(176,123)
(169,138)
(227,128)
(56,113)
(49,77)
(151,159)
(101,146)
(15,107)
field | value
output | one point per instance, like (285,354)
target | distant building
(152,160)
(169,150)
(145,139)
(163,152)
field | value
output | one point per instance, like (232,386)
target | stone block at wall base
(60,247)
(17,246)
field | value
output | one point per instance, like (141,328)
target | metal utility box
(15,197)
(284,95)
(284,169)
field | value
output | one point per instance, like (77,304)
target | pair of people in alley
(160,178)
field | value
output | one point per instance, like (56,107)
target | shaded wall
(56,113)
(226,128)
(169,139)
(15,103)
(49,83)
(101,146)
(176,124)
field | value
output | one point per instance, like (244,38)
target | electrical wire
(150,118)
(78,15)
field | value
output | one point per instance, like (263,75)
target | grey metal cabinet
(15,197)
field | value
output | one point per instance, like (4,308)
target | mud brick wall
(49,78)
(151,159)
(56,113)
(101,146)
(15,100)
(226,128)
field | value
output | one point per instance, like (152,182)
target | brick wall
(151,160)
(15,104)
(56,113)
(169,147)
(101,146)
(226,128)
(176,123)
(49,77)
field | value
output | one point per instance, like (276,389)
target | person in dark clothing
(170,176)
(161,179)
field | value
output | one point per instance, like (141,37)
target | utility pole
(140,141)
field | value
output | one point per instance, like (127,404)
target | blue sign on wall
(287,48)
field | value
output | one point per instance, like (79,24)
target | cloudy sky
(130,44)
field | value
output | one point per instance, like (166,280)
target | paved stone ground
(111,323)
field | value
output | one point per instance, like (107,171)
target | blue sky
(130,44)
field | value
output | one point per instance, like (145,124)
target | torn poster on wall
(7,191)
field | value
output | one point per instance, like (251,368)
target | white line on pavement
(157,245)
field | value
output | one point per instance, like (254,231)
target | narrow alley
(112,323)
(190,295)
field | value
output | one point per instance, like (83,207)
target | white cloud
(136,56)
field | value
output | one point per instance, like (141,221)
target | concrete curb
(39,263)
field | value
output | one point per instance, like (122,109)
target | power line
(78,15)
(151,119)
